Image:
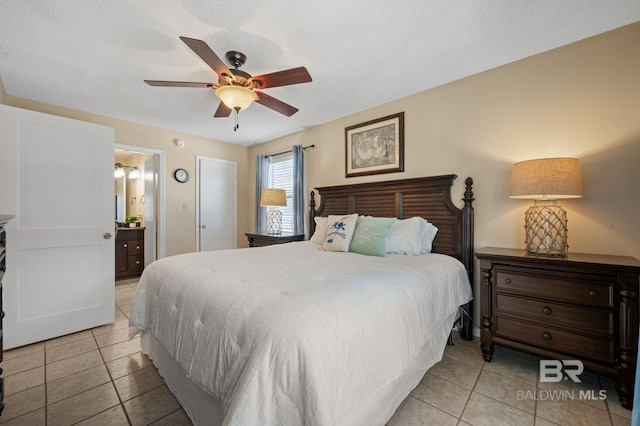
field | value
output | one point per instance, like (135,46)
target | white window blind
(281,176)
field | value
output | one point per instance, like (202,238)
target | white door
(56,177)
(216,204)
(150,185)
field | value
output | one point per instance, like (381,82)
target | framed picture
(376,146)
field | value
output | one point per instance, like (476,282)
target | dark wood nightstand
(260,240)
(582,307)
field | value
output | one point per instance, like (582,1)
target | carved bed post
(486,324)
(628,330)
(467,254)
(312,213)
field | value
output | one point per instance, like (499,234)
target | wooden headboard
(427,197)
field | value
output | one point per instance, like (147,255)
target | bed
(292,334)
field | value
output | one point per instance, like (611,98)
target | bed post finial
(312,213)
(468,193)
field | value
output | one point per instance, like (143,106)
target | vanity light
(134,173)
(119,171)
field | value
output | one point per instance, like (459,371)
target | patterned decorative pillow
(405,237)
(369,236)
(339,232)
(321,230)
(428,232)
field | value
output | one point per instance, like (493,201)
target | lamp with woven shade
(273,197)
(546,180)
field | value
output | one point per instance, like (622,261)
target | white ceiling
(94,55)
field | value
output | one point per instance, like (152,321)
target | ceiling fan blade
(204,51)
(283,78)
(178,84)
(275,104)
(222,111)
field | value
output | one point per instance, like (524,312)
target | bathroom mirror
(120,190)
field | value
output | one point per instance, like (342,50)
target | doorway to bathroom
(139,208)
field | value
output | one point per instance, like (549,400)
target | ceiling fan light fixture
(236,97)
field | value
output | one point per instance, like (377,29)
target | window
(281,176)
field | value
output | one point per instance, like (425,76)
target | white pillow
(339,232)
(405,237)
(321,230)
(428,233)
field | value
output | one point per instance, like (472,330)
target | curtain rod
(286,152)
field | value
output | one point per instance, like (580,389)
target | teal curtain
(262,181)
(299,204)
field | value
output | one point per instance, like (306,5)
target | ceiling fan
(235,88)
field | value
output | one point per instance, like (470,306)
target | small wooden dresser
(129,252)
(582,307)
(3,267)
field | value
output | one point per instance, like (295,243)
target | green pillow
(369,235)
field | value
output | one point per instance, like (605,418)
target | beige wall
(180,224)
(581,100)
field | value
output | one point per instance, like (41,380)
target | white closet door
(216,204)
(56,177)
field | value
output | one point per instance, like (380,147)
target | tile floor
(99,377)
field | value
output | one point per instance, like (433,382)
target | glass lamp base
(546,229)
(274,222)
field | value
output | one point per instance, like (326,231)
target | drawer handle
(125,246)
(137,262)
(593,293)
(546,336)
(137,247)
(546,310)
(507,281)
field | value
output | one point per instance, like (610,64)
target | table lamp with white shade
(546,180)
(273,198)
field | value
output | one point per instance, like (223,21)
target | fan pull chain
(237,126)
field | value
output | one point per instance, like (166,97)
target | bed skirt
(204,409)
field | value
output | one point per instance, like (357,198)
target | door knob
(204,226)
(106,235)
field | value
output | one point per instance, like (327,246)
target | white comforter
(293,335)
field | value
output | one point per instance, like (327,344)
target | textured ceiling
(94,55)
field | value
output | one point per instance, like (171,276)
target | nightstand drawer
(576,317)
(589,347)
(595,291)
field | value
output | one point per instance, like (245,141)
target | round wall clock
(181,175)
